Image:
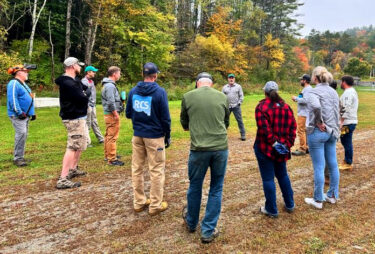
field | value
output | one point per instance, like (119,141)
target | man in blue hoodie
(147,106)
(20,106)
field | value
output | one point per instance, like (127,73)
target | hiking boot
(75,172)
(346,166)
(264,211)
(116,163)
(145,205)
(330,200)
(164,206)
(64,183)
(117,157)
(211,237)
(184,217)
(298,153)
(20,162)
(312,202)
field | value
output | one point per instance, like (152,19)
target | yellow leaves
(273,52)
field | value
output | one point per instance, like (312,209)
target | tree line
(258,40)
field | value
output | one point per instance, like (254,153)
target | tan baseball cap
(71,61)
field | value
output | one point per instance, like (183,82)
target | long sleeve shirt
(234,94)
(275,122)
(302,102)
(323,107)
(349,106)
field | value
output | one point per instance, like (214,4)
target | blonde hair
(322,75)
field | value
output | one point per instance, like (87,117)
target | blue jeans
(347,143)
(238,115)
(268,170)
(199,161)
(322,146)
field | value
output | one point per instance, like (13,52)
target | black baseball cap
(204,75)
(305,77)
(150,68)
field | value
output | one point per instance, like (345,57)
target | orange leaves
(302,57)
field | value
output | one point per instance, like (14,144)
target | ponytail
(274,96)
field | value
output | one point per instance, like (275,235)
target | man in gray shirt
(302,115)
(90,72)
(234,94)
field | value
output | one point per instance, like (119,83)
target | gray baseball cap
(270,85)
(71,61)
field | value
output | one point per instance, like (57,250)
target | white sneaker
(311,201)
(330,200)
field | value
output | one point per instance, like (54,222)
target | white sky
(335,15)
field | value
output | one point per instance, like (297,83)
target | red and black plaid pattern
(275,122)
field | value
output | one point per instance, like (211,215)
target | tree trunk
(52,54)
(67,33)
(91,37)
(35,18)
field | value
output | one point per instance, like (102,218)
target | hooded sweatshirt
(147,106)
(73,98)
(111,100)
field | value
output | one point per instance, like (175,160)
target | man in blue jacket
(20,107)
(147,107)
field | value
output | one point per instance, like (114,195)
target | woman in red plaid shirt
(275,136)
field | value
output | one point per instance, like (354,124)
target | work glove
(33,117)
(280,148)
(22,116)
(167,142)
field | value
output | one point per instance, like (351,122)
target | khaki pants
(154,150)
(111,135)
(301,132)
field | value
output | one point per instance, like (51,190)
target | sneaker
(184,217)
(289,210)
(101,141)
(117,157)
(311,201)
(145,205)
(346,166)
(211,237)
(264,211)
(75,172)
(116,163)
(20,163)
(298,153)
(164,206)
(64,183)
(243,138)
(330,200)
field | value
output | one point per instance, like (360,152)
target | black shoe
(117,157)
(307,151)
(116,163)
(211,237)
(101,141)
(289,210)
(243,138)
(184,216)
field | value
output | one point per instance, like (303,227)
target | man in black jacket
(74,97)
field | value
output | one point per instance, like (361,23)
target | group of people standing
(205,112)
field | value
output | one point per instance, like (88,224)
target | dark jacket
(73,98)
(147,106)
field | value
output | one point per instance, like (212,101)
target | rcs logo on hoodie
(142,104)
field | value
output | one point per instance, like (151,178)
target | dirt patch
(98,217)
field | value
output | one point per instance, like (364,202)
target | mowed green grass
(47,139)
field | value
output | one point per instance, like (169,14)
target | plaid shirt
(275,122)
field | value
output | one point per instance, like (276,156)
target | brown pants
(301,132)
(154,150)
(112,129)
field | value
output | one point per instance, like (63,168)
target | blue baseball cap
(90,68)
(150,68)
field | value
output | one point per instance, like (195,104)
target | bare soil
(98,217)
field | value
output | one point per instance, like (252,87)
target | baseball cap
(21,67)
(305,77)
(231,75)
(71,61)
(90,68)
(204,75)
(150,68)
(270,85)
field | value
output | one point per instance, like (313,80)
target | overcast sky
(336,15)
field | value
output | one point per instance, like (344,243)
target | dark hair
(112,70)
(333,84)
(348,80)
(274,96)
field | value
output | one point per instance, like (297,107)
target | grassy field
(34,216)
